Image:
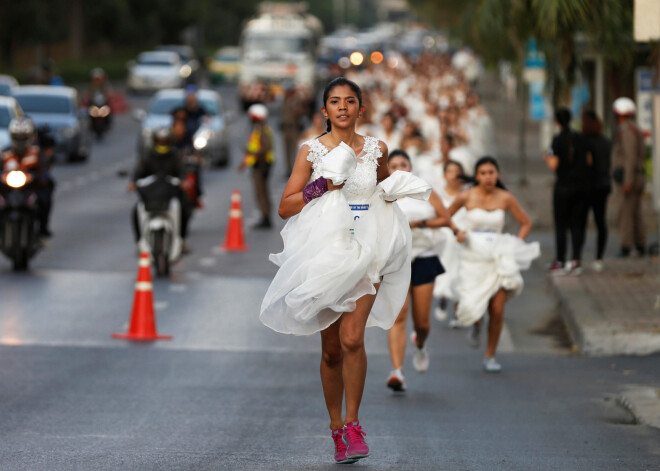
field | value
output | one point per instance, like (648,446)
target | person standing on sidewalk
(489,272)
(600,187)
(259,156)
(570,200)
(628,174)
(424,217)
(293,110)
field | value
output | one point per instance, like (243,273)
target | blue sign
(537,101)
(534,57)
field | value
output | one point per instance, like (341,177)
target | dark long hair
(487,159)
(339,81)
(563,117)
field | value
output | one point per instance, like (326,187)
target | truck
(278,50)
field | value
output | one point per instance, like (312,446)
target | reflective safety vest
(254,148)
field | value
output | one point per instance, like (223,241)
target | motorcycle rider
(23,155)
(183,145)
(195,112)
(98,84)
(163,160)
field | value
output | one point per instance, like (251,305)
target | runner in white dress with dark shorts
(490,262)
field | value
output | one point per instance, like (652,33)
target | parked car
(9,109)
(155,70)
(57,107)
(224,65)
(187,56)
(7,83)
(212,137)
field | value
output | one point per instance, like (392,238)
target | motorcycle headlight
(16,179)
(93,111)
(200,142)
(104,111)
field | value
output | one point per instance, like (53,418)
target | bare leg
(422,299)
(331,374)
(396,337)
(351,334)
(495,321)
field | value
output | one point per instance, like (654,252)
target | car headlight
(185,71)
(68,133)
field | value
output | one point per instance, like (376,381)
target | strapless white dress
(489,261)
(339,246)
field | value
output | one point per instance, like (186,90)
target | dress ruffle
(331,259)
(490,262)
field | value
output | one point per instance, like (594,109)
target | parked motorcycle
(19,221)
(99,114)
(159,219)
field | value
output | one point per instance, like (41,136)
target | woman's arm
(292,200)
(519,215)
(458,203)
(441,212)
(382,170)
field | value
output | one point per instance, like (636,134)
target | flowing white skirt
(330,260)
(489,262)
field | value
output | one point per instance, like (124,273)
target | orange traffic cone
(143,318)
(235,240)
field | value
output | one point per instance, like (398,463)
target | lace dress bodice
(477,219)
(360,186)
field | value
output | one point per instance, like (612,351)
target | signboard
(647,20)
(534,70)
(537,101)
(645,86)
(655,133)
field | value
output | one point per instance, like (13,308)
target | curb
(590,332)
(643,402)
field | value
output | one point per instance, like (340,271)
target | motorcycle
(99,114)
(19,221)
(159,219)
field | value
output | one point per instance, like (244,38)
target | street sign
(537,101)
(645,87)
(647,20)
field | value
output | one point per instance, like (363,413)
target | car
(155,70)
(57,107)
(187,56)
(212,137)
(9,109)
(7,83)
(224,65)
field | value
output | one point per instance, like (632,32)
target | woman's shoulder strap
(316,150)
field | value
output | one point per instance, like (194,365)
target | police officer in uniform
(628,174)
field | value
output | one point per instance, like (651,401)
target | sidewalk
(616,312)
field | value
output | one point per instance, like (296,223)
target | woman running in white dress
(446,283)
(425,218)
(346,259)
(490,262)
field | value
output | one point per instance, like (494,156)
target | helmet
(21,130)
(258,112)
(624,106)
(162,139)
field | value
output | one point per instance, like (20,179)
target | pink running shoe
(340,448)
(356,446)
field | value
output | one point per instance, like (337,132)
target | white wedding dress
(446,284)
(489,261)
(342,244)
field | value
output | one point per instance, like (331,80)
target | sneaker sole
(347,461)
(358,457)
(396,385)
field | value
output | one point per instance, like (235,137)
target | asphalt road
(227,393)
